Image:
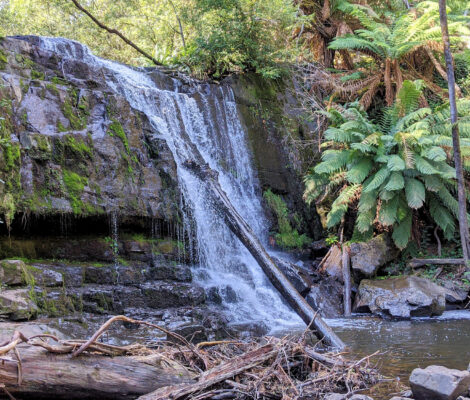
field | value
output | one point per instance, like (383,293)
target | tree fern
(389,171)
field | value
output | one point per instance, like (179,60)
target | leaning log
(44,375)
(421,262)
(246,235)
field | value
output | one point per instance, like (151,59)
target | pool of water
(405,345)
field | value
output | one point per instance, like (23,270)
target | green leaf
(433,183)
(388,211)
(365,220)
(396,182)
(415,193)
(424,167)
(435,153)
(380,176)
(396,163)
(442,217)
(340,205)
(359,171)
(367,201)
(333,160)
(402,232)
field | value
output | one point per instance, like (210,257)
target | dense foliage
(390,171)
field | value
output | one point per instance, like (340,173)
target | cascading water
(207,117)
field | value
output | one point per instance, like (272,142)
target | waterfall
(207,116)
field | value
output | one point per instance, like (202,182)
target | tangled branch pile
(268,368)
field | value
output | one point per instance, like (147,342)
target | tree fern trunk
(388,82)
(463,223)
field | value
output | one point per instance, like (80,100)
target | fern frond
(396,182)
(402,232)
(415,193)
(380,176)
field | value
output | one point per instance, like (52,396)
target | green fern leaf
(402,232)
(359,171)
(388,211)
(332,161)
(380,176)
(424,167)
(365,220)
(433,183)
(396,182)
(396,163)
(367,201)
(442,217)
(415,193)
(435,153)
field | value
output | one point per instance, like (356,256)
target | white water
(209,117)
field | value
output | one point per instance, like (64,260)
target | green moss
(116,129)
(286,237)
(3,59)
(74,184)
(53,88)
(75,110)
(77,123)
(37,75)
(58,81)
(60,127)
(78,146)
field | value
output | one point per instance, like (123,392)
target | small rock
(399,398)
(169,294)
(439,383)
(360,397)
(368,257)
(17,305)
(334,396)
(13,272)
(402,297)
(463,398)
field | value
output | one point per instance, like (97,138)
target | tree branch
(115,32)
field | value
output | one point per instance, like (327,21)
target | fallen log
(246,235)
(46,375)
(215,375)
(421,262)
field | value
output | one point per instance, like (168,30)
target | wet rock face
(368,257)
(16,305)
(73,145)
(402,297)
(439,383)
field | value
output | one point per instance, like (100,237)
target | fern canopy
(386,172)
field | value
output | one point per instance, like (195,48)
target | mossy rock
(17,305)
(13,272)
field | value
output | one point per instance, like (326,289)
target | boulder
(12,272)
(402,297)
(327,297)
(168,294)
(439,383)
(334,396)
(332,265)
(178,273)
(17,305)
(360,397)
(368,257)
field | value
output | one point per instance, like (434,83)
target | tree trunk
(347,281)
(241,229)
(46,376)
(463,222)
(389,97)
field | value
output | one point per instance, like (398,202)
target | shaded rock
(402,297)
(333,264)
(368,257)
(294,274)
(360,397)
(439,383)
(101,275)
(47,277)
(178,273)
(169,294)
(12,272)
(399,398)
(17,305)
(213,295)
(327,297)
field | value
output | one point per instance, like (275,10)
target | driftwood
(215,375)
(269,367)
(421,262)
(246,235)
(46,375)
